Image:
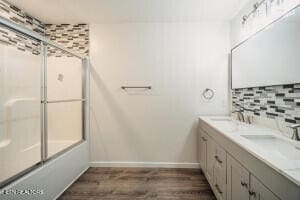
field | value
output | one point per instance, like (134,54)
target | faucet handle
(249,119)
(240,115)
(295,130)
(294,126)
(236,111)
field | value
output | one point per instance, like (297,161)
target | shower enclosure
(43,100)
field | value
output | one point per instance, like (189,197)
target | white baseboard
(145,164)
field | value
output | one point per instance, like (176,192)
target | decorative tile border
(19,41)
(74,37)
(276,102)
(18,16)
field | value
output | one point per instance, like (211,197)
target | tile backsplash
(275,102)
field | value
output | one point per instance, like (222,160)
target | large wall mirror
(271,57)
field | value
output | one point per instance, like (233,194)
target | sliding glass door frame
(44,100)
(44,127)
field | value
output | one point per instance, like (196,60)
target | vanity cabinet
(242,185)
(232,173)
(238,181)
(206,155)
(202,151)
(219,184)
(212,160)
(259,192)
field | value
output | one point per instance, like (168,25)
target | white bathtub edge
(71,182)
(54,177)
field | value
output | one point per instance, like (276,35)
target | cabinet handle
(252,193)
(244,184)
(204,139)
(218,159)
(218,189)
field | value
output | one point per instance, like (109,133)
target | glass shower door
(20,103)
(65,101)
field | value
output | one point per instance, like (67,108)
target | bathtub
(12,163)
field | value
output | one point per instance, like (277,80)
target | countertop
(235,130)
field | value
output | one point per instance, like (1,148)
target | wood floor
(139,183)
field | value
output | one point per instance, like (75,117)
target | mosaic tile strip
(18,16)
(19,41)
(72,36)
(276,102)
(53,51)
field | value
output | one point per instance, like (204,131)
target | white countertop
(235,130)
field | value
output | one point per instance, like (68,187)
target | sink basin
(221,119)
(275,145)
(225,123)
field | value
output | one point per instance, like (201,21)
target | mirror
(271,57)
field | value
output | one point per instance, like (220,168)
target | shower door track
(44,101)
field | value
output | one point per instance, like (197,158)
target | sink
(225,123)
(275,145)
(221,119)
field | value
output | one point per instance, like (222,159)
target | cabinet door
(220,160)
(210,159)
(237,180)
(202,153)
(259,192)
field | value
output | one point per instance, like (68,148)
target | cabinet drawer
(220,159)
(219,184)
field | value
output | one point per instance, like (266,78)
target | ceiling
(124,11)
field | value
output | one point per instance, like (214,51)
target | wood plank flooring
(140,183)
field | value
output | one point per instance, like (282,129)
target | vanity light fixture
(244,19)
(253,13)
(266,6)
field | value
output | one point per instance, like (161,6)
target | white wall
(179,60)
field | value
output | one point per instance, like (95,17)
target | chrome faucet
(295,132)
(249,119)
(239,115)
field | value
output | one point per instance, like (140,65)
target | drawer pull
(244,184)
(218,159)
(218,189)
(204,139)
(252,193)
